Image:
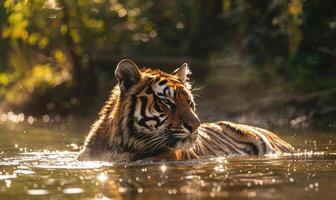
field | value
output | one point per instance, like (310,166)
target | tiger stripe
(227,138)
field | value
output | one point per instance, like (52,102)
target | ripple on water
(220,177)
(5,177)
(37,192)
(24,172)
(73,190)
(49,161)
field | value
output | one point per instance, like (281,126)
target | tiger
(151,114)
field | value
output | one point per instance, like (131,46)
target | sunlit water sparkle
(42,164)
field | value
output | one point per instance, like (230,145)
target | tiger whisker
(158,144)
(154,141)
(179,135)
(197,88)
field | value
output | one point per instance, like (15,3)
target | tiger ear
(182,73)
(127,73)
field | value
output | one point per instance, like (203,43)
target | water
(37,161)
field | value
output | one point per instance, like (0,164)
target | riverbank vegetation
(59,56)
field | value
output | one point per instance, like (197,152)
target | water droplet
(163,168)
(74,146)
(8,183)
(102,177)
(30,120)
(45,118)
(144,169)
(123,190)
(212,194)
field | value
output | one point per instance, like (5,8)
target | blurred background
(263,62)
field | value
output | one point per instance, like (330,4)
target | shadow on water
(38,162)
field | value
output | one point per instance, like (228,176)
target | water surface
(37,161)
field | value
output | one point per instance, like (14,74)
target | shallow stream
(37,161)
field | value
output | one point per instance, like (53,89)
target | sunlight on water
(215,177)
(49,160)
(37,192)
(73,190)
(6,177)
(42,164)
(102,177)
(163,168)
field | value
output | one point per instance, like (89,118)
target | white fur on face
(149,119)
(164,91)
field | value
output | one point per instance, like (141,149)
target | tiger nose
(192,126)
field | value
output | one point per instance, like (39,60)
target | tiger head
(157,109)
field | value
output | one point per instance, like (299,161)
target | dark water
(37,161)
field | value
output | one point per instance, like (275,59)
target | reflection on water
(39,163)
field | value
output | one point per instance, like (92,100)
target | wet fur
(116,137)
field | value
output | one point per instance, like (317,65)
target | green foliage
(79,41)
